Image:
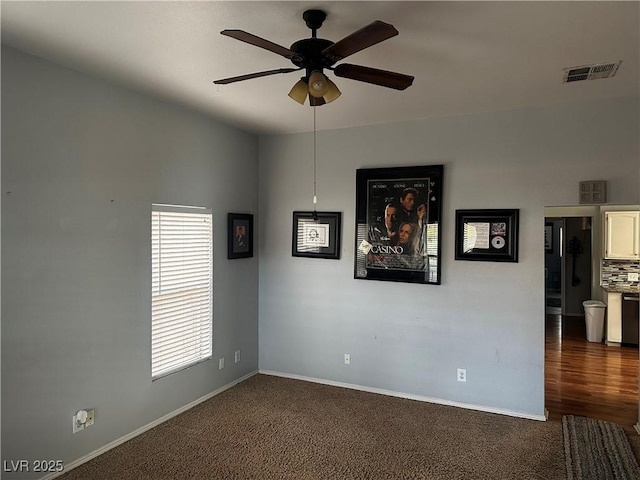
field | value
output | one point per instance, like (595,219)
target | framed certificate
(487,235)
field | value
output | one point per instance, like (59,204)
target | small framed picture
(316,234)
(487,235)
(240,232)
(548,237)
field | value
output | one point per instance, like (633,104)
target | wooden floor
(586,378)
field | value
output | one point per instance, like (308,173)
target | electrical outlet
(632,277)
(237,356)
(221,363)
(91,418)
(462,375)
(347,359)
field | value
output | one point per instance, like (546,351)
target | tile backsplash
(614,273)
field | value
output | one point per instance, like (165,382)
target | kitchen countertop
(620,288)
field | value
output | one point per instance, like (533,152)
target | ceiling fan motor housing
(309,54)
(309,50)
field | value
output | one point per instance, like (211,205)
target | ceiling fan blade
(367,36)
(383,78)
(249,76)
(259,42)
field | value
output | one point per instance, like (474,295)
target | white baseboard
(149,426)
(409,396)
(637,427)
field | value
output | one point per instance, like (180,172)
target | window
(181,288)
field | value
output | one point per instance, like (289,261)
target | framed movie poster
(316,234)
(240,233)
(398,224)
(487,235)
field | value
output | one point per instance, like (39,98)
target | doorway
(581,377)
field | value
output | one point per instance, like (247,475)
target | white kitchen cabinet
(614,318)
(622,235)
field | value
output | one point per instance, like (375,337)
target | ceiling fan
(317,54)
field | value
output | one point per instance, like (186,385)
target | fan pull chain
(315,197)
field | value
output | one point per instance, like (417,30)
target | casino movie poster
(400,232)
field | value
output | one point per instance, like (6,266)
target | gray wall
(485,317)
(82,162)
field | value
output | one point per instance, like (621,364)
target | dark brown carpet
(276,428)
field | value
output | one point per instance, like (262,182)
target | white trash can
(594,318)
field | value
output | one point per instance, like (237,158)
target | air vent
(593,192)
(590,72)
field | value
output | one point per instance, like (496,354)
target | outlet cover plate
(91,418)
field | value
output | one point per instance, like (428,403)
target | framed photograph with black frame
(316,234)
(399,224)
(240,233)
(487,235)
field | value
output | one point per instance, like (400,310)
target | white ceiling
(467,57)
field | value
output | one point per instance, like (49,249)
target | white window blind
(181,288)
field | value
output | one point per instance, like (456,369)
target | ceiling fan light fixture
(299,91)
(332,92)
(316,101)
(318,84)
